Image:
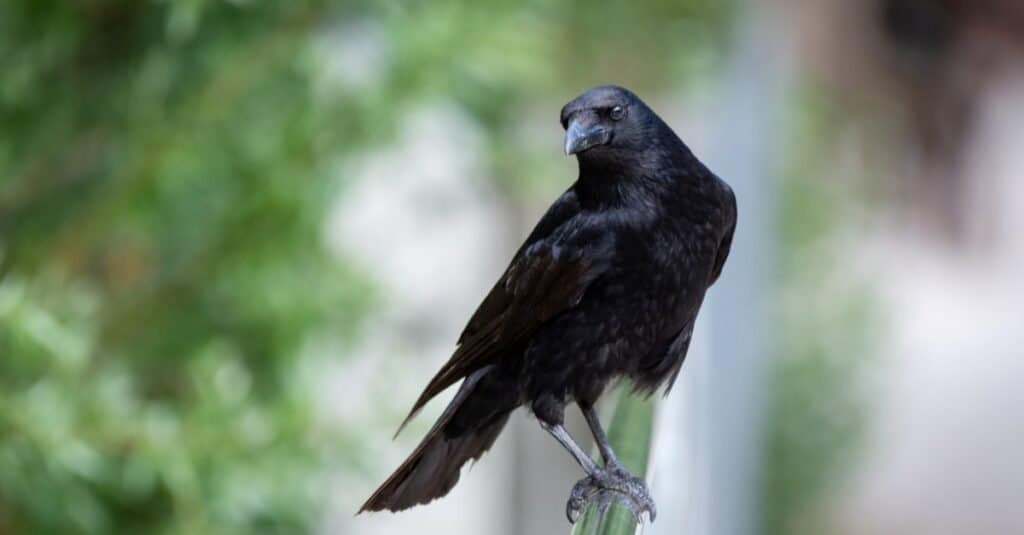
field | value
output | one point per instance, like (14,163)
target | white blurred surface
(944,454)
(420,215)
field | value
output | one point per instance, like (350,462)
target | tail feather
(433,468)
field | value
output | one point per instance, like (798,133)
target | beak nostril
(573,135)
(584,133)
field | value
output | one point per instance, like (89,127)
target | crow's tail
(465,431)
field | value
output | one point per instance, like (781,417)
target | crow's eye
(616,113)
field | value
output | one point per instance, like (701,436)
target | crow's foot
(609,485)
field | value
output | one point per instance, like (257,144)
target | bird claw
(606,487)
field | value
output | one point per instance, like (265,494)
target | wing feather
(729,212)
(537,286)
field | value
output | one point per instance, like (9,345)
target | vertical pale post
(707,459)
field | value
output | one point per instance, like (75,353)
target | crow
(607,286)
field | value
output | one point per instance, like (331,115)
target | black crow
(607,286)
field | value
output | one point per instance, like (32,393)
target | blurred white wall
(944,453)
(421,218)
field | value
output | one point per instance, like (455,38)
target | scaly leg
(603,485)
(565,439)
(602,440)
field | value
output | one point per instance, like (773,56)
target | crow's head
(608,120)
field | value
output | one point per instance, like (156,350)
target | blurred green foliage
(160,212)
(165,170)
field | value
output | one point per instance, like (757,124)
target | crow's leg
(603,445)
(603,485)
(612,483)
(565,439)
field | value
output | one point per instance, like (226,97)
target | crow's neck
(645,181)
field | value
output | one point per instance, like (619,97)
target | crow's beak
(585,132)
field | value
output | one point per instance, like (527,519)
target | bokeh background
(237,237)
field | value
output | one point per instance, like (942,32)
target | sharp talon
(572,514)
(610,485)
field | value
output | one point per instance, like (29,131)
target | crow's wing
(498,299)
(729,220)
(542,281)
